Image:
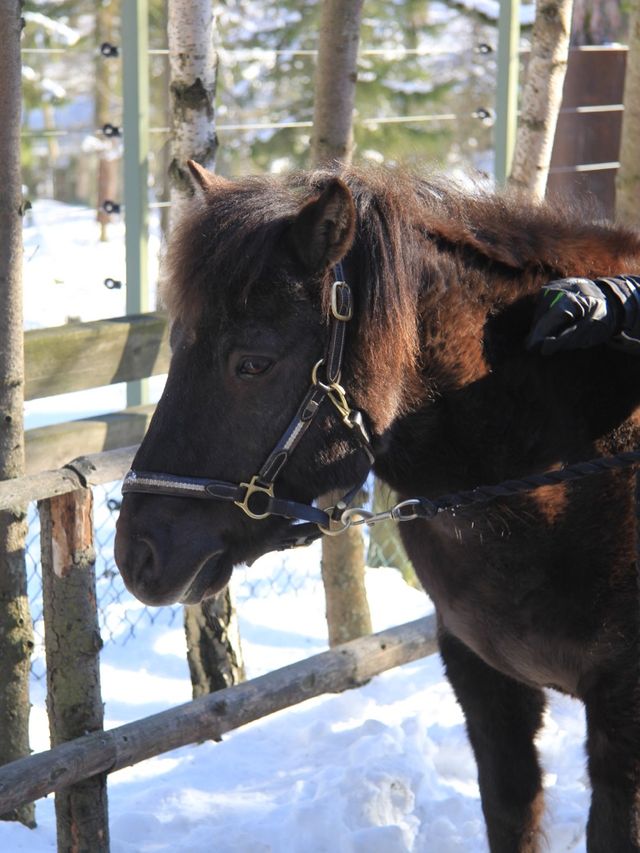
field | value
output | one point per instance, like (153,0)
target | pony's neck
(446,285)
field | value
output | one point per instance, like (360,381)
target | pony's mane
(412,233)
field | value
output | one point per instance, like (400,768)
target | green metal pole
(507,89)
(135,90)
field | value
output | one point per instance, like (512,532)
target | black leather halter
(256,498)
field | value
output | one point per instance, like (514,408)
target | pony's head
(268,374)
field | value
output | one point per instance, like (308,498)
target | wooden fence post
(73,643)
(214,650)
(343,577)
(343,569)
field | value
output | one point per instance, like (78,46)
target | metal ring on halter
(314,377)
(345,523)
(253,487)
(336,393)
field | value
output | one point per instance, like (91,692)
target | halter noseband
(256,498)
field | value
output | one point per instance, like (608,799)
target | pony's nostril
(143,563)
(143,573)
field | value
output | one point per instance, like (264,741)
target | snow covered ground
(382,769)
(385,768)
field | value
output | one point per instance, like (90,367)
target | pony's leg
(613,746)
(502,717)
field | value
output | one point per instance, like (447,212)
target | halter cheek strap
(256,498)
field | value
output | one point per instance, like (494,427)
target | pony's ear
(323,231)
(205,180)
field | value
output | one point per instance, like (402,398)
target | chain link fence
(120,614)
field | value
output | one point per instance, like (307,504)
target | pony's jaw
(211,578)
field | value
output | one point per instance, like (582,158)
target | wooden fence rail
(52,446)
(91,470)
(80,356)
(72,633)
(209,717)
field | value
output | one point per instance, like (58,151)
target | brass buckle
(338,397)
(334,302)
(252,488)
(335,392)
(318,382)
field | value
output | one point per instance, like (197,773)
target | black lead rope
(508,488)
(425,509)
(420,508)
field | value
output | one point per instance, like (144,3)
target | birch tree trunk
(335,84)
(193,69)
(541,98)
(343,570)
(16,638)
(628,177)
(213,640)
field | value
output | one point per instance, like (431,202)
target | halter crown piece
(256,498)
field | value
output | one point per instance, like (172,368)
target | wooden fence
(82,753)
(80,356)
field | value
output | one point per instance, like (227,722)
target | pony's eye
(254,365)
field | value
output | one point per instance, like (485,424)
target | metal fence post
(73,643)
(135,90)
(507,87)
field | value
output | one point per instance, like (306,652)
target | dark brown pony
(531,592)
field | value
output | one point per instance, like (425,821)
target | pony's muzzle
(161,564)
